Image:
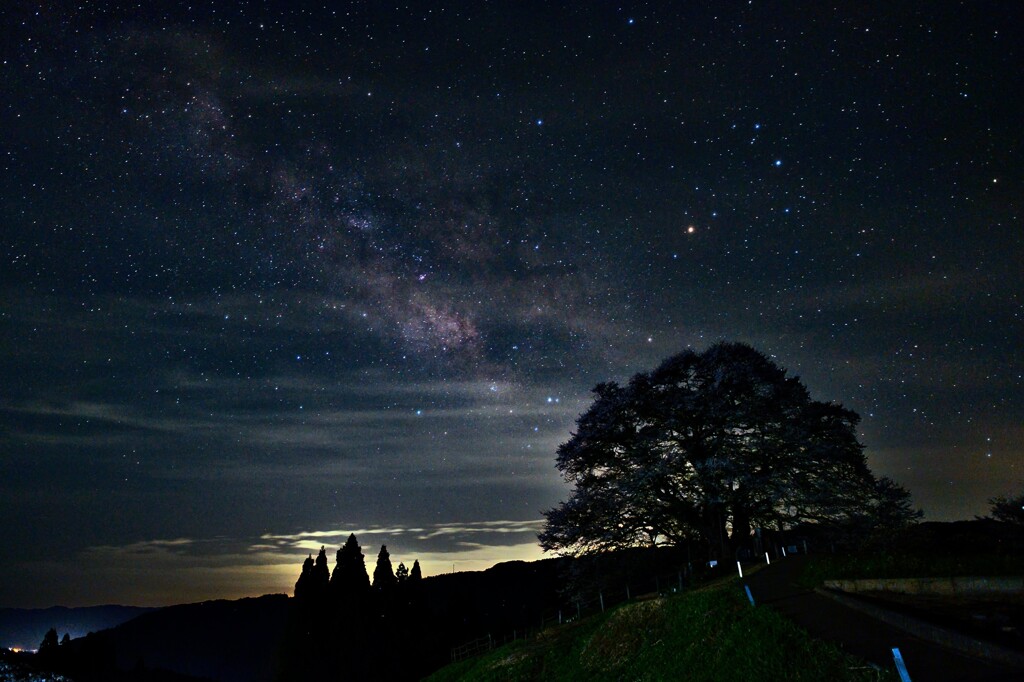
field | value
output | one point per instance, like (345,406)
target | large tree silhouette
(708,446)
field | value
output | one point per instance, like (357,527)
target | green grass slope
(709,634)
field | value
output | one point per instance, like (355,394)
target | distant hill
(253,640)
(241,641)
(229,641)
(24,628)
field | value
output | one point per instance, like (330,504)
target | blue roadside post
(901,667)
(749,595)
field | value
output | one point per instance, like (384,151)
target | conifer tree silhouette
(401,573)
(306,645)
(349,579)
(48,647)
(415,574)
(302,585)
(383,574)
(321,575)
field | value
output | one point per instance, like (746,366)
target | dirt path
(863,636)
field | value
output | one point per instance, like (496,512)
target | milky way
(269,274)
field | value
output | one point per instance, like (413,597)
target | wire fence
(595,601)
(474,648)
(600,599)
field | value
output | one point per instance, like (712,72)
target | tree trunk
(740,529)
(714,521)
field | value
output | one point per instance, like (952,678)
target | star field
(271,273)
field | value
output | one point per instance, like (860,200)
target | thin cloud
(420,532)
(533,527)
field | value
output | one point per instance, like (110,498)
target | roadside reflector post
(749,595)
(901,667)
(739,569)
(767,559)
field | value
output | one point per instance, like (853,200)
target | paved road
(864,636)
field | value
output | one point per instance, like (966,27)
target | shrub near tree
(707,447)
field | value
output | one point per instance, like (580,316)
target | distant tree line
(341,621)
(349,578)
(49,647)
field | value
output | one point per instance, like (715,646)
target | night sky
(271,273)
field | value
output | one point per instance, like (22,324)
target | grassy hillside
(709,634)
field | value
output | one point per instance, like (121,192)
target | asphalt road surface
(861,635)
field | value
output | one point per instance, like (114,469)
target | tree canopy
(1008,509)
(709,446)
